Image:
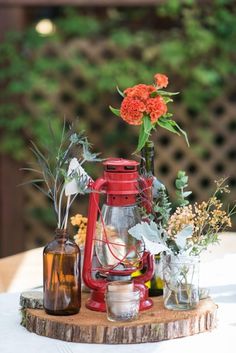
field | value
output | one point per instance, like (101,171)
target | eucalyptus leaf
(180,183)
(162,207)
(187,193)
(181,174)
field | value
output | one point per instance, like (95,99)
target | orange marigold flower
(156,107)
(140,91)
(161,80)
(132,110)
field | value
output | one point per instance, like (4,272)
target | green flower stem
(70,203)
(65,221)
(59,206)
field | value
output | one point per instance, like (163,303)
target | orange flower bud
(161,80)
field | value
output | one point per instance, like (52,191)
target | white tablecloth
(218,271)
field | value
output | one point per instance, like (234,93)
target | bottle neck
(61,233)
(147,160)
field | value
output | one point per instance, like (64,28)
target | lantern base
(96,301)
(145,302)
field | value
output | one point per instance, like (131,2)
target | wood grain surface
(153,325)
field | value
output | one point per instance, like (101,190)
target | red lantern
(118,254)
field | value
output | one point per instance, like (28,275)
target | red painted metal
(120,183)
(97,186)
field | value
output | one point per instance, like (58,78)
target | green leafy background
(194,45)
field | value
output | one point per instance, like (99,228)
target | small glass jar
(61,275)
(181,282)
(122,302)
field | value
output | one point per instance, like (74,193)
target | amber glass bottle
(147,170)
(61,272)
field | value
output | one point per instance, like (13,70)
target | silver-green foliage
(51,165)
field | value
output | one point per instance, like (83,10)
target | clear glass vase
(181,282)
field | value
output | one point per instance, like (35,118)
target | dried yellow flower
(81,222)
(182,217)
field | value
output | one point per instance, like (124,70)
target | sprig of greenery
(207,219)
(181,183)
(53,167)
(163,207)
(189,229)
(159,208)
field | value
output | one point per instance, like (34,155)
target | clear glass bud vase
(181,282)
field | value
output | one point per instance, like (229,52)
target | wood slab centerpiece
(154,325)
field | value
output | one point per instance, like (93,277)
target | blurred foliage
(193,44)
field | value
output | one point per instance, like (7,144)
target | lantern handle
(97,187)
(148,274)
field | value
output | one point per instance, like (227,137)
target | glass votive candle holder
(122,301)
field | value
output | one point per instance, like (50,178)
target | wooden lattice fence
(212,153)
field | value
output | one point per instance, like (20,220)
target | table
(218,271)
(22,271)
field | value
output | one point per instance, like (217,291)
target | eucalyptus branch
(181,183)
